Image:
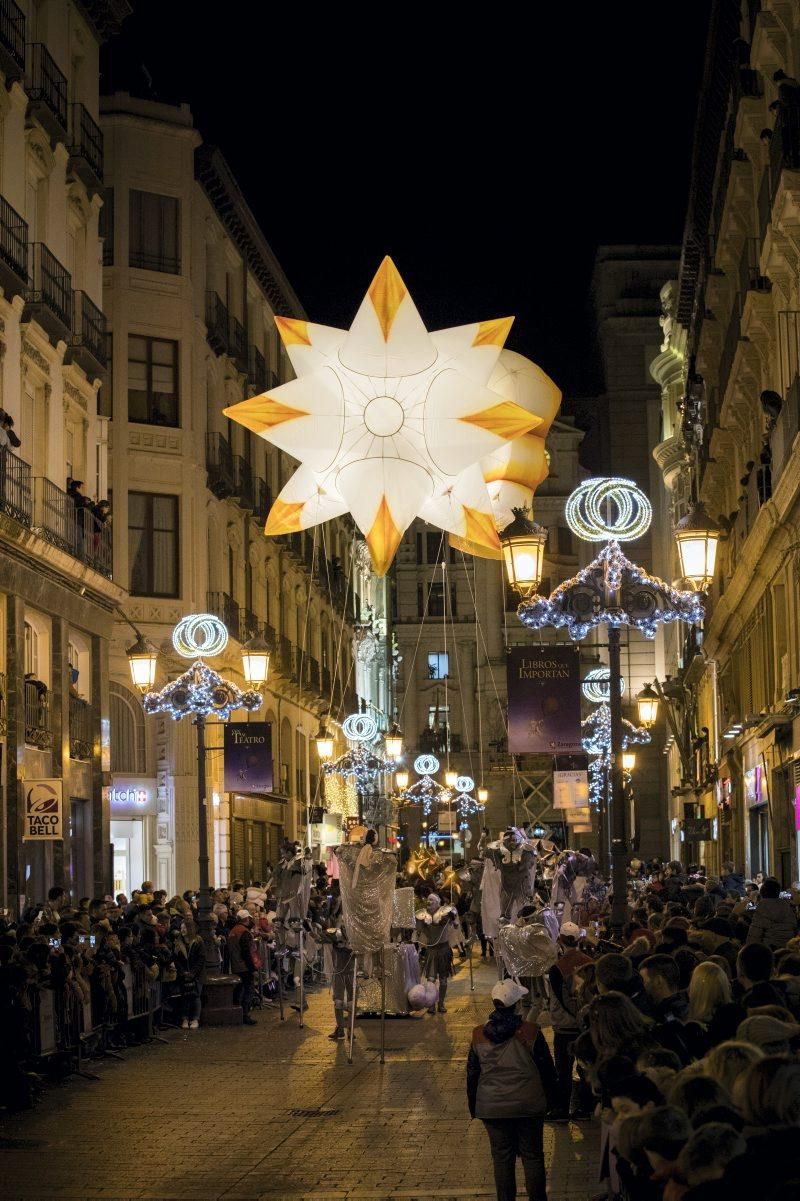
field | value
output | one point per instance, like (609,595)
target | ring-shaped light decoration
(597,685)
(359,727)
(589,510)
(465,784)
(426,765)
(200,636)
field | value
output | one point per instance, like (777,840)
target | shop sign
(544,700)
(698,829)
(316,815)
(133,796)
(570,789)
(752,786)
(43,813)
(248,757)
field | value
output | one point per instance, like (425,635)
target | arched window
(128,753)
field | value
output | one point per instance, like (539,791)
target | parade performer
(514,857)
(433,932)
(342,958)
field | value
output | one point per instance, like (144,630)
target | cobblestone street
(274,1111)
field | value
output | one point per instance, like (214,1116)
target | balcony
(243,482)
(49,294)
(313,675)
(325,682)
(46,85)
(262,502)
(86,149)
(257,370)
(286,662)
(784,147)
(89,343)
(226,609)
(12,41)
(80,728)
(786,429)
(217,322)
(237,343)
(37,715)
(219,465)
(250,625)
(729,347)
(270,636)
(13,251)
(750,277)
(15,488)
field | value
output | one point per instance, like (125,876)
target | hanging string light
(588,510)
(597,685)
(203,691)
(360,762)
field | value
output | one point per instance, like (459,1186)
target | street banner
(544,700)
(43,812)
(248,757)
(570,789)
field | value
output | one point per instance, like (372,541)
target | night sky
(489,159)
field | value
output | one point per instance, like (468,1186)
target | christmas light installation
(389,422)
(597,685)
(200,636)
(203,692)
(425,791)
(588,510)
(360,762)
(596,740)
(615,592)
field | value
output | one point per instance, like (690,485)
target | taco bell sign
(43,811)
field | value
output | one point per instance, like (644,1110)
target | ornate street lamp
(401,779)
(393,742)
(697,536)
(142,658)
(628,760)
(612,591)
(647,702)
(523,543)
(450,778)
(199,693)
(255,661)
(482,794)
(324,742)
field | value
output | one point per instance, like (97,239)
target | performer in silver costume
(433,934)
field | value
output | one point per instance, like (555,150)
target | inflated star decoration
(389,422)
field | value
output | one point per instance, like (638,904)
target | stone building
(57,576)
(192,289)
(728,370)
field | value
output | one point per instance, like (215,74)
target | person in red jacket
(510,1083)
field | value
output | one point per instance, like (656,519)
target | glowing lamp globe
(697,536)
(628,760)
(393,742)
(401,780)
(255,661)
(450,778)
(324,743)
(647,705)
(523,543)
(142,658)
(482,795)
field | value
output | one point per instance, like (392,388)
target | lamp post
(612,591)
(200,693)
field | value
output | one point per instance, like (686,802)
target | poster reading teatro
(544,700)
(248,757)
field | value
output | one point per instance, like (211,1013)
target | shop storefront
(257,831)
(757,829)
(133,802)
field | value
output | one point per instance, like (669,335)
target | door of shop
(127,837)
(255,844)
(759,839)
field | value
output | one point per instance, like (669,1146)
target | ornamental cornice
(75,394)
(35,356)
(672,459)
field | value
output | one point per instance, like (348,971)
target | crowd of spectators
(687,1040)
(95,956)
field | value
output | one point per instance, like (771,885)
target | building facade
(57,577)
(728,371)
(192,289)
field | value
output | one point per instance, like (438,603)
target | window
(438,665)
(436,601)
(561,541)
(433,543)
(153,544)
(154,232)
(31,651)
(127,732)
(438,716)
(106,227)
(152,381)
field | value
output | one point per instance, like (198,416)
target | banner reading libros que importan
(544,700)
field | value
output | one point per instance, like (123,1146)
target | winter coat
(240,942)
(734,882)
(564,1004)
(510,1072)
(774,922)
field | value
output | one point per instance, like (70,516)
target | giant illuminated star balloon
(389,422)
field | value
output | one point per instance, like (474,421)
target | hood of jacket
(502,1025)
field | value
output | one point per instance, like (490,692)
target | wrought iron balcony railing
(12,40)
(46,85)
(243,482)
(217,321)
(80,728)
(49,290)
(86,145)
(38,730)
(219,465)
(13,242)
(257,370)
(15,488)
(89,332)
